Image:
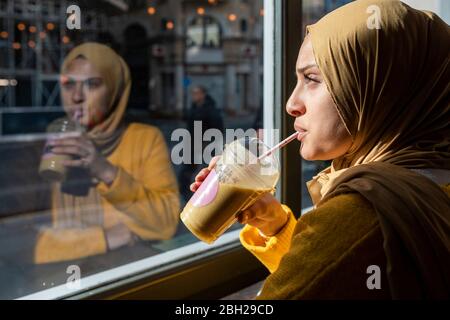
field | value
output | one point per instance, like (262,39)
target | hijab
(116,75)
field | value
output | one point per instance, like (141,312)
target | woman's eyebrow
(303,69)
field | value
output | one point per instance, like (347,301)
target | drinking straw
(280,145)
(76,115)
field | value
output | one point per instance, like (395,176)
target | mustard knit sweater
(325,254)
(143,197)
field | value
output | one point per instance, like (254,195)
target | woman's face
(84,93)
(322,133)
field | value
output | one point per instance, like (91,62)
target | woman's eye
(309,78)
(93,83)
(68,84)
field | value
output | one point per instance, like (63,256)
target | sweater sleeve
(269,250)
(330,250)
(148,198)
(54,245)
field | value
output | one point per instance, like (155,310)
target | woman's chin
(306,154)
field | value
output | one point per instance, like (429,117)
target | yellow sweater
(325,254)
(143,197)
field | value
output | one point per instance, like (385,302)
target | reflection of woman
(132,191)
(376,101)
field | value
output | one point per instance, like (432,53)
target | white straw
(280,145)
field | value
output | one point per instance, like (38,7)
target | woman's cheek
(96,114)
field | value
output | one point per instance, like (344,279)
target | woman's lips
(301,134)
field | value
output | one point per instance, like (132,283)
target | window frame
(230,265)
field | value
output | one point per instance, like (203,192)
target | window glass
(114,80)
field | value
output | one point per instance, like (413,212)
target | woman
(131,189)
(376,102)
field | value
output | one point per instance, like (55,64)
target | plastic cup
(51,167)
(237,181)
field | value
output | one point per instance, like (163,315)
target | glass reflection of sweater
(142,202)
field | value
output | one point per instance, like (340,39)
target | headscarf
(391,89)
(76,202)
(116,75)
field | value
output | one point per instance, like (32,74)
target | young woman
(376,102)
(132,191)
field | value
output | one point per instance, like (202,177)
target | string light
(50,26)
(16,45)
(200,11)
(21,26)
(4,34)
(232,17)
(32,29)
(65,39)
(170,25)
(151,10)
(32,44)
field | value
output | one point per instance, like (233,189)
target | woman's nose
(295,106)
(78,95)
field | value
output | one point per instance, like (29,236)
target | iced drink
(51,167)
(238,180)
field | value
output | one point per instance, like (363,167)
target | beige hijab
(391,88)
(74,210)
(116,75)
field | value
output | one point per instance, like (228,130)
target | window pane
(90,177)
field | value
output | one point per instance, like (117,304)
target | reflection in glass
(119,187)
(35,225)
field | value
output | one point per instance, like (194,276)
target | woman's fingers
(213,162)
(194,186)
(199,178)
(75,163)
(242,217)
(246,216)
(70,150)
(202,175)
(75,146)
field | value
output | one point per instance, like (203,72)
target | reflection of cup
(51,167)
(236,182)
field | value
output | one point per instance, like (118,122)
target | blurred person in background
(204,112)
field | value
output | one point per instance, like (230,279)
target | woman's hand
(266,213)
(85,155)
(201,176)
